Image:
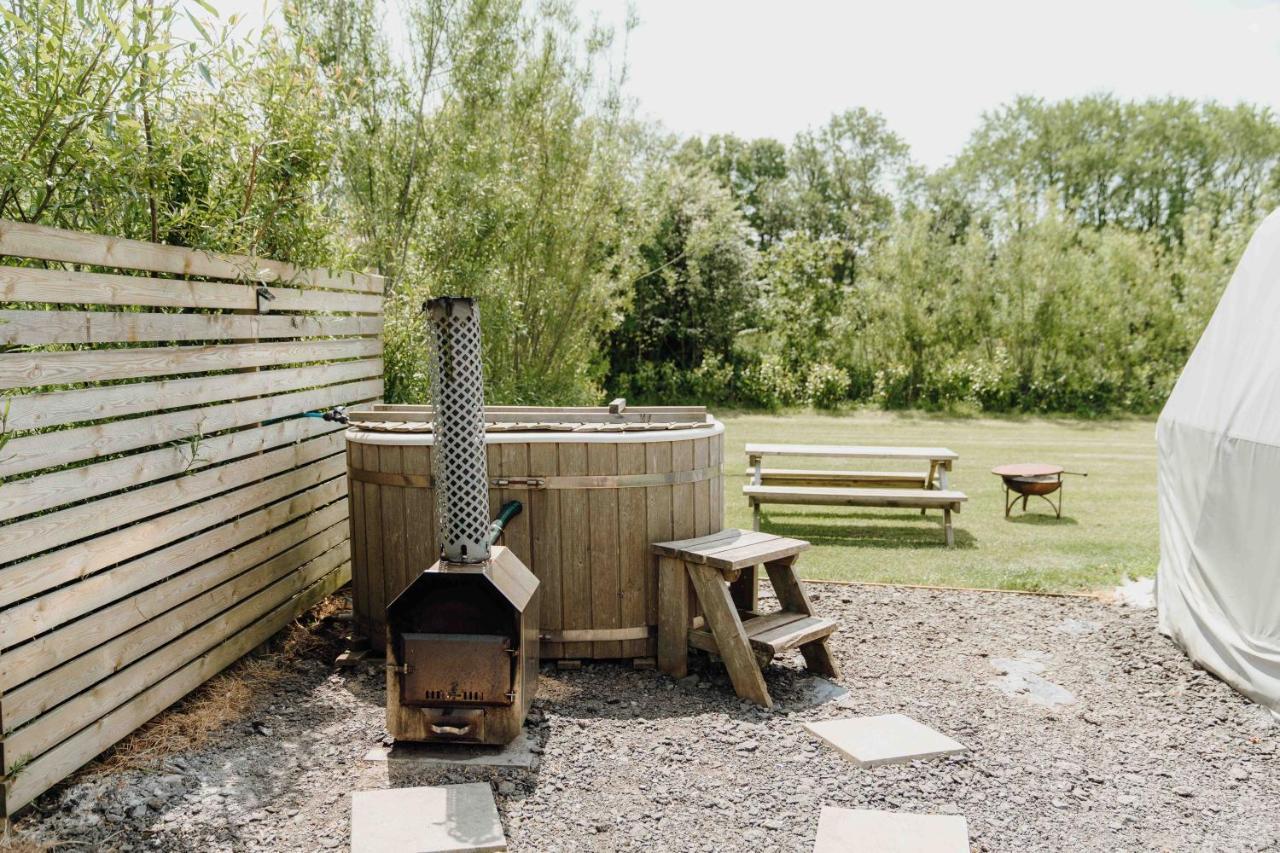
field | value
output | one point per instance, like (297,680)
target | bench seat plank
(811,477)
(730,538)
(792,635)
(739,550)
(782,632)
(837,496)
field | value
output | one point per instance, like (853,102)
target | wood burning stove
(462,652)
(462,639)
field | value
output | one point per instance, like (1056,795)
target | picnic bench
(916,490)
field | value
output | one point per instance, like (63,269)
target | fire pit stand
(1025,480)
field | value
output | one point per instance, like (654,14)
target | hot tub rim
(401,439)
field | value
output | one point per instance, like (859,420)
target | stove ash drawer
(465,724)
(457,669)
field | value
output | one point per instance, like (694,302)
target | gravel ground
(1149,753)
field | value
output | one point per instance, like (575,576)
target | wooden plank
(682,519)
(55,408)
(911,498)
(696,546)
(852,451)
(544,506)
(42,242)
(395,571)
(701,489)
(373,557)
(323,551)
(798,633)
(56,764)
(731,640)
(31,577)
(700,553)
(754,554)
(673,618)
(64,287)
(873,479)
(575,549)
(717,483)
(365,625)
(96,480)
(295,299)
(658,509)
(605,567)
(790,592)
(60,606)
(763,624)
(633,550)
(34,328)
(22,538)
(32,369)
(61,447)
(420,514)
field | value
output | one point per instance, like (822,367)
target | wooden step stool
(716,574)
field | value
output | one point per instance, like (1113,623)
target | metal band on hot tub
(603,481)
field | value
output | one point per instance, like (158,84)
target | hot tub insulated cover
(459,463)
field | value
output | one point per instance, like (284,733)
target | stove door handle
(455,731)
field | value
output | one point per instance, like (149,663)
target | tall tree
(846,175)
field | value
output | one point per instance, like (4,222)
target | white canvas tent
(1218,585)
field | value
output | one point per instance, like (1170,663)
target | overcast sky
(773,67)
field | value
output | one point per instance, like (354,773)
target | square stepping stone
(871,831)
(445,819)
(887,739)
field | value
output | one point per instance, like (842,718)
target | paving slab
(444,819)
(411,756)
(886,739)
(872,831)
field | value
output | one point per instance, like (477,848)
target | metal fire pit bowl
(1032,479)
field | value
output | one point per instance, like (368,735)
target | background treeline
(1066,260)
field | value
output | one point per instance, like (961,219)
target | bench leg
(791,595)
(817,658)
(946,521)
(673,618)
(731,638)
(755,516)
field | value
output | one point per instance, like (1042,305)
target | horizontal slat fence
(164,505)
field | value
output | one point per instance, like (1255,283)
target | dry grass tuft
(226,698)
(221,701)
(12,842)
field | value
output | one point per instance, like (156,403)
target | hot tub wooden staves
(597,488)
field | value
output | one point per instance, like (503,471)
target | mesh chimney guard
(459,463)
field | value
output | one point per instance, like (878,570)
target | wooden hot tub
(597,487)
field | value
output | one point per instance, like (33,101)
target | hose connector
(509,510)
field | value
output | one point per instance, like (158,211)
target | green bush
(826,386)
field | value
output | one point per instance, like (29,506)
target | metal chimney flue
(459,464)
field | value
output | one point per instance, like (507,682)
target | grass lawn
(1108,529)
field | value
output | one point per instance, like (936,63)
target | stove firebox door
(457,669)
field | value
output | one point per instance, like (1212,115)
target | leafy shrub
(768,384)
(826,386)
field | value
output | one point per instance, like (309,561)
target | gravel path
(1150,754)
